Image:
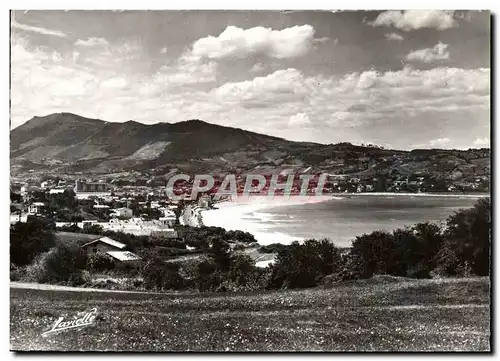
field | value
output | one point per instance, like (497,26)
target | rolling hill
(69,143)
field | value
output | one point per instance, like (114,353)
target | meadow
(383,313)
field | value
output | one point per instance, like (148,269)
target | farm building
(124,258)
(103,245)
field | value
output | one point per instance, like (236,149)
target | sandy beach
(233,215)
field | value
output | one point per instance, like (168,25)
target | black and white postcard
(250,181)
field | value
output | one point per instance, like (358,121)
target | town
(120,203)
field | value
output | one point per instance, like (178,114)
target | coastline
(390,194)
(233,215)
(236,214)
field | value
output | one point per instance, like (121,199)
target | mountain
(69,143)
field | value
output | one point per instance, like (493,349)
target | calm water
(344,218)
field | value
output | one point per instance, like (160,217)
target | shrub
(16,273)
(99,262)
(272,248)
(416,249)
(63,263)
(375,254)
(207,277)
(93,229)
(220,253)
(134,284)
(304,265)
(241,269)
(158,274)
(71,228)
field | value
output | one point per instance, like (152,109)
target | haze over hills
(69,143)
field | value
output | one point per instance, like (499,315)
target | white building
(140,227)
(101,206)
(167,221)
(36,208)
(122,213)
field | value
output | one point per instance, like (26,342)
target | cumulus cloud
(416,19)
(322,40)
(379,90)
(103,82)
(299,119)
(239,43)
(99,82)
(482,142)
(37,29)
(258,67)
(429,55)
(394,36)
(281,86)
(92,41)
(362,100)
(188,71)
(440,142)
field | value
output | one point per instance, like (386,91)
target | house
(122,213)
(204,201)
(168,221)
(36,208)
(57,190)
(103,245)
(124,258)
(85,189)
(101,206)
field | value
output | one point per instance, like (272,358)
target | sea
(341,218)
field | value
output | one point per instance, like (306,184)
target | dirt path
(40,286)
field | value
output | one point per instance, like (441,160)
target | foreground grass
(382,314)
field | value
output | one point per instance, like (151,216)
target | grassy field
(380,314)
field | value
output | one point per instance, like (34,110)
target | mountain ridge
(67,142)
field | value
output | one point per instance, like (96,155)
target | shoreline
(237,214)
(467,195)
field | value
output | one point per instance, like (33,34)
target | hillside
(380,314)
(67,143)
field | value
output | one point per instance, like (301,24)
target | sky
(398,79)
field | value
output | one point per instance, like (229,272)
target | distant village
(129,207)
(142,207)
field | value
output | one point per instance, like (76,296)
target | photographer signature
(87,319)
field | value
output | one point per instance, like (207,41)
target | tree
(15,197)
(99,262)
(63,263)
(467,241)
(241,270)
(93,229)
(416,249)
(206,276)
(162,275)
(29,239)
(304,265)
(375,253)
(71,228)
(220,253)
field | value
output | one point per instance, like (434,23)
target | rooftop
(108,241)
(123,255)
